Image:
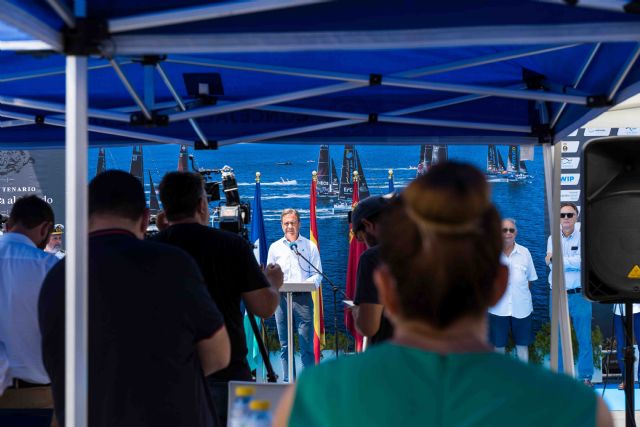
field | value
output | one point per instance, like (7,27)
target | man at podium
(289,253)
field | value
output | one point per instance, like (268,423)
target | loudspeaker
(611,219)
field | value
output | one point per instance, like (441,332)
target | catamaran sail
(523,168)
(102,162)
(324,178)
(426,155)
(513,161)
(183,160)
(362,184)
(137,166)
(440,154)
(334,183)
(348,166)
(431,155)
(501,167)
(350,163)
(327,185)
(154,206)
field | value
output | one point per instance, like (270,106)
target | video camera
(233,215)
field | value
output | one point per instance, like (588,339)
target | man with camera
(228,265)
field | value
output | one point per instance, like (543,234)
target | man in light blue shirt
(23,267)
(296,270)
(580,309)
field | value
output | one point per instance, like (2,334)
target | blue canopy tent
(303,71)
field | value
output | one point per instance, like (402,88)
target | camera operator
(228,266)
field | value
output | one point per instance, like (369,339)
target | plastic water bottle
(260,415)
(240,412)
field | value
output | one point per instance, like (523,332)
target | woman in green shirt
(440,246)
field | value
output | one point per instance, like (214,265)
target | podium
(289,289)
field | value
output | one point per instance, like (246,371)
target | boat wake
(271,184)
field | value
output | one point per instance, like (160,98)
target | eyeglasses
(509,230)
(567,215)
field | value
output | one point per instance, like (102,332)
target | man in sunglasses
(513,311)
(579,307)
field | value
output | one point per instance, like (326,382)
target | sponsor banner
(570,162)
(526,152)
(569,195)
(570,179)
(39,172)
(597,131)
(628,131)
(570,146)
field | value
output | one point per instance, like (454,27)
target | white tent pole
(559,301)
(45,72)
(15,16)
(577,81)
(514,35)
(76,300)
(199,13)
(181,105)
(130,89)
(259,102)
(388,118)
(420,72)
(63,11)
(60,108)
(54,121)
(624,71)
(288,132)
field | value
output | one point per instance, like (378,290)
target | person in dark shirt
(154,332)
(368,312)
(228,265)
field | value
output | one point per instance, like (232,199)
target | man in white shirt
(580,309)
(23,267)
(513,311)
(296,269)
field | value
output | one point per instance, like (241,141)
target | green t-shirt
(393,385)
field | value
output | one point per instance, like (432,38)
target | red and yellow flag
(356,249)
(318,311)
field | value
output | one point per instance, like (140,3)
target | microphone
(294,247)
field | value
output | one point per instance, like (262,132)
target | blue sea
(285,186)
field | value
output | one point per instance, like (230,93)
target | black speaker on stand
(611,234)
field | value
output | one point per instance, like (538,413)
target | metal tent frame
(125,40)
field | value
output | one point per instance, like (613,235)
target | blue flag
(259,241)
(258,236)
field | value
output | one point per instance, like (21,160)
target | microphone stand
(335,290)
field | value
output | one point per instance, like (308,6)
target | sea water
(288,186)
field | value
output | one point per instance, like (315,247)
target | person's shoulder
(539,380)
(523,249)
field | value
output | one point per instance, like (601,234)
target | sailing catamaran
(515,166)
(496,171)
(137,166)
(327,185)
(183,159)
(154,205)
(431,155)
(102,162)
(350,163)
(515,171)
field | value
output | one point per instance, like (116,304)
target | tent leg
(559,301)
(77,244)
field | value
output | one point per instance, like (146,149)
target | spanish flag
(318,311)
(356,249)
